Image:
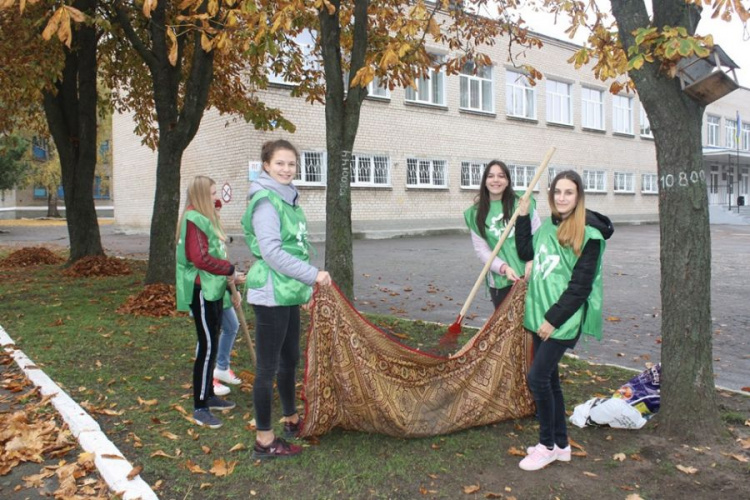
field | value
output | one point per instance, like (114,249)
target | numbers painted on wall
(683,179)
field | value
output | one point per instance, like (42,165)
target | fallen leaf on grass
(238,447)
(634,496)
(194,468)
(574,444)
(222,468)
(686,469)
(739,458)
(179,409)
(133,473)
(579,453)
(745,443)
(620,457)
(169,435)
(161,453)
(472,488)
(589,474)
(613,319)
(493,495)
(205,486)
(149,402)
(206,449)
(113,457)
(747,422)
(516,452)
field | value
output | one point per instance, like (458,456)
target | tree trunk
(71,116)
(343,108)
(52,210)
(177,127)
(161,254)
(688,397)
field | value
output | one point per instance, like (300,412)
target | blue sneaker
(204,418)
(216,403)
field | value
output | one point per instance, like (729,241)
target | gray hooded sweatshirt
(267,227)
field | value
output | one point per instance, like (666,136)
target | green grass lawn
(133,374)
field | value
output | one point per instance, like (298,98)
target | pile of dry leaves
(98,265)
(29,432)
(155,300)
(31,256)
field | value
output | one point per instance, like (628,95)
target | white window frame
(479,87)
(436,171)
(368,162)
(471,171)
(713,125)
(306,40)
(376,89)
(745,136)
(645,124)
(622,114)
(522,175)
(624,182)
(559,102)
(594,181)
(730,132)
(592,110)
(649,184)
(429,83)
(520,96)
(551,173)
(305,171)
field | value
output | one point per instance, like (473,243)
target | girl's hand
(510,273)
(240,278)
(306,307)
(231,278)
(545,330)
(523,206)
(323,278)
(236,299)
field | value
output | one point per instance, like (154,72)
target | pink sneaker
(539,458)
(220,389)
(563,454)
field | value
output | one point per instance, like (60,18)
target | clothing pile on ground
(629,408)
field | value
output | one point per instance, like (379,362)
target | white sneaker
(563,454)
(539,458)
(220,389)
(227,376)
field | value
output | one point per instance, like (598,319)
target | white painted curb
(85,429)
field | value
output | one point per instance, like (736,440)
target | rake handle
(243,325)
(504,236)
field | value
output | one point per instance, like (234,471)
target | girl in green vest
(487,219)
(564,299)
(278,283)
(203,272)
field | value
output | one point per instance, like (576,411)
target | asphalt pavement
(429,277)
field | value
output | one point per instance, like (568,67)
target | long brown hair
(571,230)
(199,199)
(483,198)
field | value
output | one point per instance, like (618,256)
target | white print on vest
(302,237)
(497,226)
(544,263)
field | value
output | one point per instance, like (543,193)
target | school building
(420,153)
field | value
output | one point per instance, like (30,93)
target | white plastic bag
(604,411)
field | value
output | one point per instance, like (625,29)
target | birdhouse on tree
(708,79)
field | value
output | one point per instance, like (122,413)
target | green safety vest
(553,268)
(287,291)
(213,286)
(493,228)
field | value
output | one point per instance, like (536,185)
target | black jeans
(277,351)
(544,384)
(498,295)
(207,316)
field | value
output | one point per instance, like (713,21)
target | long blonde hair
(199,199)
(572,229)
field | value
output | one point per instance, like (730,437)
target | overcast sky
(732,36)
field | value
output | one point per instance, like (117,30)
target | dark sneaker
(291,430)
(205,418)
(277,449)
(216,403)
